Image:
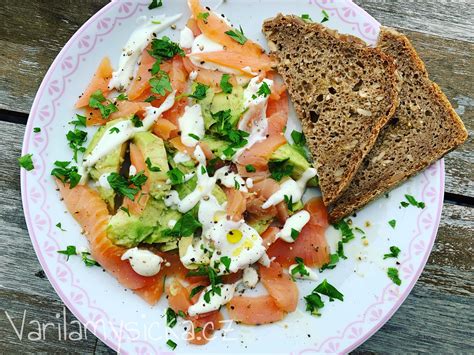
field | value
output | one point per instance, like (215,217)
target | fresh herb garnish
(412,201)
(236,184)
(37,130)
(121,97)
(88,261)
(150,166)
(340,250)
(196,290)
(306,18)
(70,250)
(314,303)
(181,314)
(96,101)
(200,92)
(392,273)
(325,288)
(193,136)
(150,98)
(237,35)
(154,4)
(203,16)
(346,231)
(65,173)
(76,139)
(172,345)
(325,16)
(225,129)
(392,223)
(137,122)
(225,85)
(225,260)
(333,260)
(299,143)
(164,48)
(114,130)
(80,121)
(394,252)
(170,318)
(184,227)
(123,186)
(126,210)
(26,162)
(280,168)
(176,176)
(264,90)
(58,225)
(404,204)
(289,202)
(161,84)
(203,170)
(213,278)
(250,168)
(300,268)
(294,234)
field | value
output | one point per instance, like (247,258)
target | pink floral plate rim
(46,113)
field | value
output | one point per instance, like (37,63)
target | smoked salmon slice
(260,152)
(165,129)
(280,286)
(127,109)
(236,203)
(100,81)
(311,244)
(91,212)
(236,60)
(137,206)
(254,310)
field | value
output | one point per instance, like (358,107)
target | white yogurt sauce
(138,41)
(111,141)
(181,157)
(143,262)
(186,38)
(311,274)
(191,122)
(249,182)
(216,301)
(250,277)
(103,182)
(195,254)
(296,222)
(230,179)
(291,188)
(132,170)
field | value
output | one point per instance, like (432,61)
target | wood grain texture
(436,317)
(437,313)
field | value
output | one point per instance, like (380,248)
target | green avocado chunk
(130,230)
(153,150)
(214,103)
(296,159)
(111,163)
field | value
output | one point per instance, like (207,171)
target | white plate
(125,322)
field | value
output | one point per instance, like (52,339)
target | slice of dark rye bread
(423,129)
(343,91)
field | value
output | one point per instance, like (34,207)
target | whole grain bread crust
(371,180)
(334,179)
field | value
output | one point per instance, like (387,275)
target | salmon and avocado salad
(191,186)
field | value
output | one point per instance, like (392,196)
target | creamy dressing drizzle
(191,122)
(216,300)
(296,222)
(230,179)
(138,41)
(291,188)
(143,261)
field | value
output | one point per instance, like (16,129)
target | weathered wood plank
(437,313)
(449,19)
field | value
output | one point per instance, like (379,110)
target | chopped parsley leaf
(88,261)
(114,130)
(203,16)
(161,84)
(122,97)
(306,18)
(225,85)
(203,170)
(96,101)
(76,140)
(333,260)
(392,223)
(299,143)
(37,130)
(176,176)
(164,48)
(170,318)
(182,314)
(237,35)
(184,227)
(138,179)
(122,186)
(154,4)
(236,184)
(125,210)
(414,202)
(150,98)
(325,288)
(58,225)
(314,303)
(196,290)
(300,268)
(193,136)
(137,122)
(346,231)
(325,16)
(404,204)
(26,162)
(65,173)
(200,92)
(172,345)
(155,68)
(394,252)
(226,261)
(70,250)
(289,202)
(150,166)
(392,273)
(80,121)
(340,250)
(294,234)
(250,168)
(280,168)
(264,90)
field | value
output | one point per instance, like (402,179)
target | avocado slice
(153,148)
(214,103)
(216,145)
(295,158)
(130,230)
(111,163)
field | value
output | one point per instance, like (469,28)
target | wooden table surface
(436,317)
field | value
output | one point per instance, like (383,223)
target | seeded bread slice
(344,92)
(424,128)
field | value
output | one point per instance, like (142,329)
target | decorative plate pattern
(126,323)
